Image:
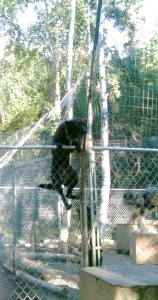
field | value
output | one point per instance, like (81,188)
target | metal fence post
(91,177)
(14,220)
(83,211)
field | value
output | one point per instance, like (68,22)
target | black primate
(68,133)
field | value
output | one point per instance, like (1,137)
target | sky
(149,10)
(27,18)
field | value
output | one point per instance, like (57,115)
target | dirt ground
(6,285)
(12,290)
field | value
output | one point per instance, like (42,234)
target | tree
(70,58)
(105,187)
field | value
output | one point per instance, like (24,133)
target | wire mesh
(40,242)
(40,248)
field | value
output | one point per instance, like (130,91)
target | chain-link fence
(40,241)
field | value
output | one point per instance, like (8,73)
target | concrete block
(130,283)
(144,248)
(124,234)
(123,237)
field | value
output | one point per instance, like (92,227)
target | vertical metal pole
(35,219)
(83,208)
(14,220)
(87,146)
(91,198)
(96,219)
(89,135)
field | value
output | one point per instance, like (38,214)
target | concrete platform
(123,237)
(144,248)
(124,234)
(137,282)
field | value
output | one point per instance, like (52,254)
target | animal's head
(128,198)
(76,128)
(133,199)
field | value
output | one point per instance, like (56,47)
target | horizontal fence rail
(95,148)
(116,148)
(34,147)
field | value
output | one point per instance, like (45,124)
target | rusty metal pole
(89,135)
(83,207)
(87,159)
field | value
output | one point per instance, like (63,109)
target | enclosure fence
(41,242)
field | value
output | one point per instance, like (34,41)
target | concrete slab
(132,283)
(135,275)
(144,248)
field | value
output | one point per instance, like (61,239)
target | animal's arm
(77,143)
(60,135)
(59,138)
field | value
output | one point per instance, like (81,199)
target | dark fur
(68,133)
(141,203)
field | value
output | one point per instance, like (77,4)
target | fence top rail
(118,148)
(25,147)
(94,148)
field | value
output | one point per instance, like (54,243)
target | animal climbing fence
(40,244)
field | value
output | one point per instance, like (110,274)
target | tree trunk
(104,134)
(66,215)
(69,108)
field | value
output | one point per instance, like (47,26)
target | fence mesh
(40,242)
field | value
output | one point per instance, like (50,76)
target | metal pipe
(83,212)
(94,148)
(91,176)
(91,198)
(14,221)
(116,148)
(25,147)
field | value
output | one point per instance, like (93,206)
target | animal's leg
(141,219)
(47,186)
(57,185)
(71,181)
(60,191)
(132,218)
(141,224)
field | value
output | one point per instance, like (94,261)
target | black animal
(68,133)
(141,204)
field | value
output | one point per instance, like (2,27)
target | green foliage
(29,68)
(24,89)
(28,77)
